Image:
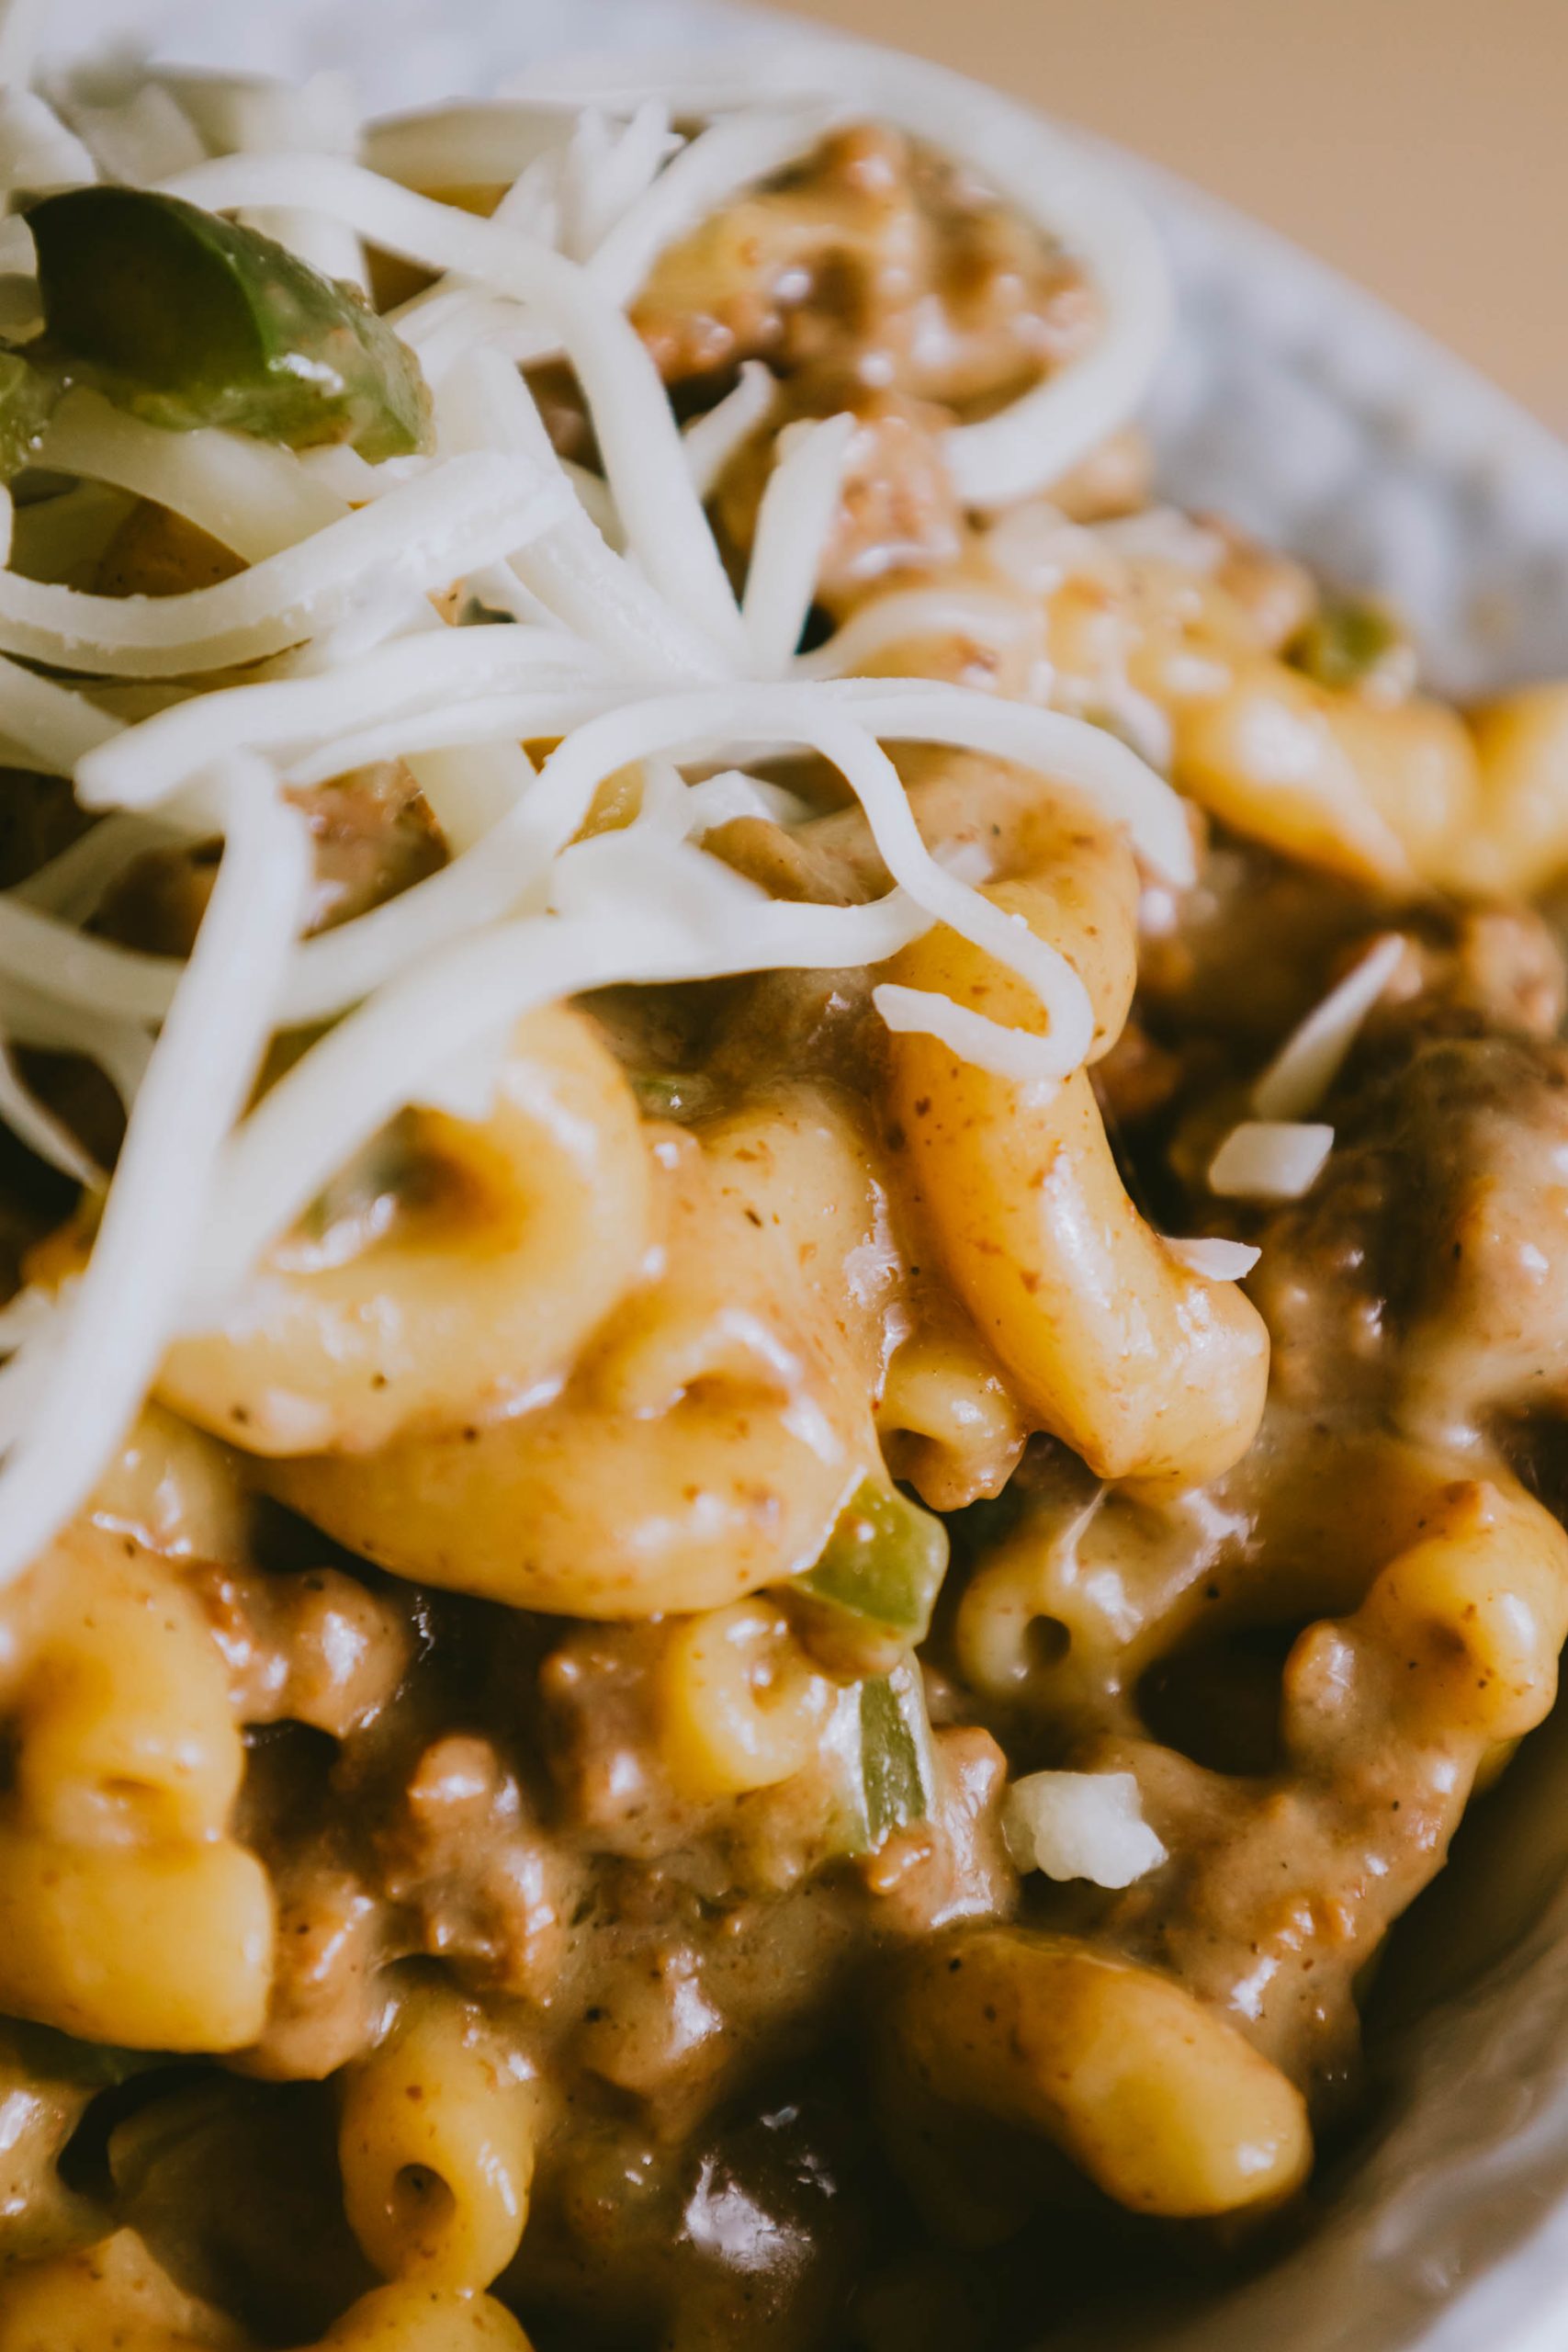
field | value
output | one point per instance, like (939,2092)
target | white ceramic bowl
(1314,416)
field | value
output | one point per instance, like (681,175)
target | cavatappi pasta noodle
(785,1236)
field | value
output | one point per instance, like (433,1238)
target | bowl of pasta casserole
(784,1184)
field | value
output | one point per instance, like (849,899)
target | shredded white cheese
(1269,1159)
(1312,1058)
(712,440)
(94,1378)
(799,508)
(1210,1255)
(623,642)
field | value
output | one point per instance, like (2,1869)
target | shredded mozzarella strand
(1269,1159)
(50,1138)
(718,165)
(911,614)
(903,710)
(794,522)
(1051,179)
(487,405)
(121,1048)
(713,440)
(463,513)
(1217,1259)
(1012,1054)
(21,23)
(248,494)
(38,154)
(1312,1058)
(637,435)
(144,766)
(608,174)
(53,726)
(91,1385)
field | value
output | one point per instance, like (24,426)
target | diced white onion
(1312,1058)
(1269,1159)
(1080,1826)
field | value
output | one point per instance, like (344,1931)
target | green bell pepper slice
(1344,642)
(883,1566)
(896,1778)
(189,320)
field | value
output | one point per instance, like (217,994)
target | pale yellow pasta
(1378,792)
(474,1273)
(1143,1366)
(740,1706)
(127,1912)
(946,1420)
(157,1947)
(1475,1613)
(1146,1368)
(1158,2099)
(436,2143)
(712,1435)
(109,2295)
(177,1491)
(124,1728)
(113,2297)
(410,2318)
(1520,843)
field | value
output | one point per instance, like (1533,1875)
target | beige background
(1422,145)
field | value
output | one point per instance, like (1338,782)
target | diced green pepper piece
(897,1781)
(1344,642)
(27,395)
(883,1563)
(189,320)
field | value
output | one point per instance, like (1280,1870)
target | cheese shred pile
(593,613)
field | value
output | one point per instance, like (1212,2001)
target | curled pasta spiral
(128,1913)
(529,1225)
(709,1437)
(1144,1367)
